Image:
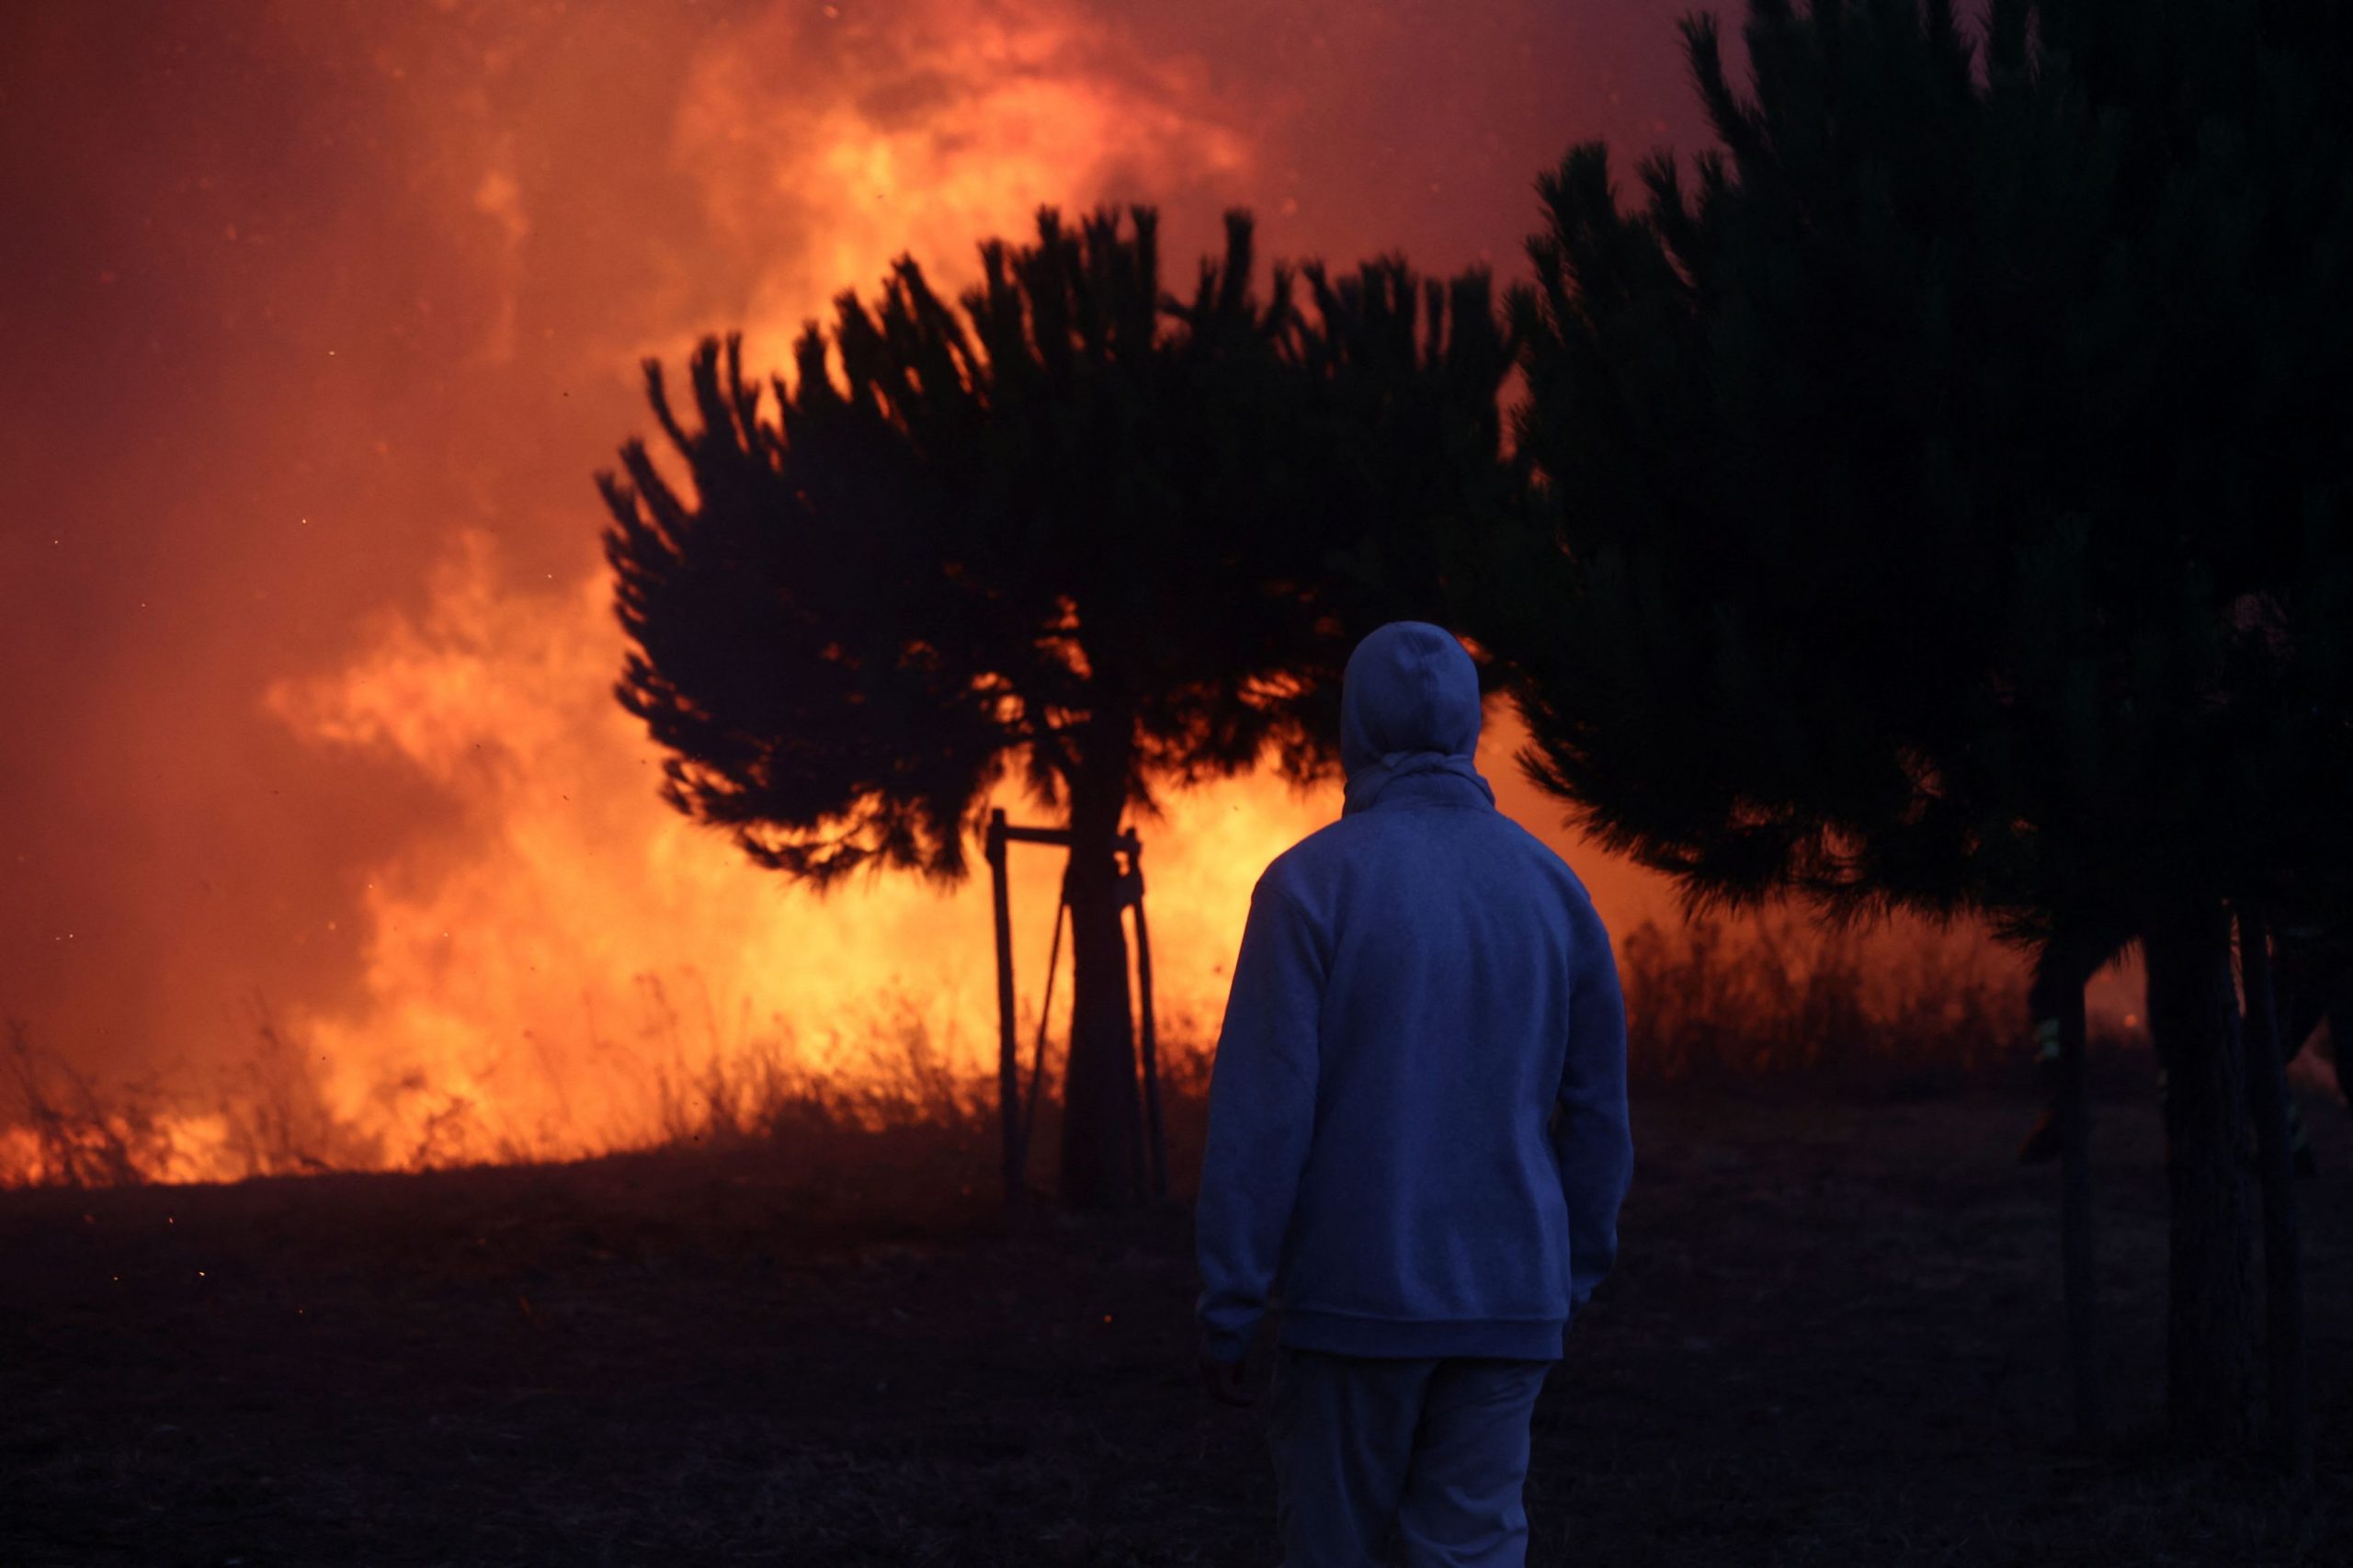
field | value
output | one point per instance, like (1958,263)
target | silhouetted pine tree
(1903,478)
(1100,530)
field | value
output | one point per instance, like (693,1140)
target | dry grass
(797,1326)
(1771,1000)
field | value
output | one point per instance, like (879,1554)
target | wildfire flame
(382,284)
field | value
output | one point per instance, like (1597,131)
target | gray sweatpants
(1440,1446)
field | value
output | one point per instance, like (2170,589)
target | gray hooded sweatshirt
(1418,1140)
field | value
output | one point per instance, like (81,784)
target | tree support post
(1015,1125)
(1155,1139)
(1008,1068)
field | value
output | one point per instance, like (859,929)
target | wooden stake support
(1016,1125)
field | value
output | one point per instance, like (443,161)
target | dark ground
(1834,1337)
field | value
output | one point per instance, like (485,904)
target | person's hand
(1223,1379)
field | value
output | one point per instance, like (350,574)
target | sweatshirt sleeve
(1261,1119)
(1592,1131)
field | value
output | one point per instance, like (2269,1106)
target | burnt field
(1835,1337)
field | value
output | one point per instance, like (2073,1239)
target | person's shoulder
(1311,871)
(1314,849)
(1290,871)
(1548,861)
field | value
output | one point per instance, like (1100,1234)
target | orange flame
(413,291)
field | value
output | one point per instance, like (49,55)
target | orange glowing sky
(322,318)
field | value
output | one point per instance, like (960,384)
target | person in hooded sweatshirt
(1418,1140)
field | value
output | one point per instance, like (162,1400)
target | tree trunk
(2300,988)
(2340,1046)
(2076,1252)
(2283,1283)
(2210,1337)
(1102,1157)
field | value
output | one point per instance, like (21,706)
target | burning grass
(1713,1005)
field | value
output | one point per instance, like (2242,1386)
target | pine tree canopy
(1916,477)
(1087,525)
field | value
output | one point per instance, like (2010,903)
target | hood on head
(1408,687)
